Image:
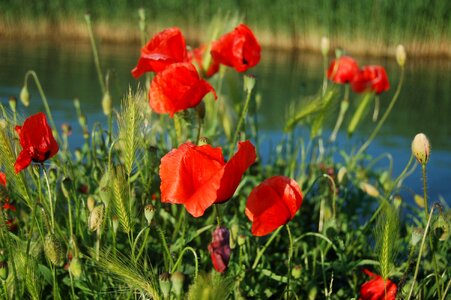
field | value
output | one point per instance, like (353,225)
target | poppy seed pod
(421,148)
(149,212)
(165,284)
(24,96)
(249,83)
(417,234)
(54,249)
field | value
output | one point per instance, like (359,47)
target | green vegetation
(424,27)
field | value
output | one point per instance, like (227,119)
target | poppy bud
(296,272)
(75,267)
(12,103)
(369,189)
(78,155)
(107,103)
(249,83)
(149,212)
(54,249)
(90,203)
(401,55)
(397,200)
(177,279)
(421,148)
(241,240)
(341,174)
(219,248)
(96,218)
(25,96)
(325,45)
(417,234)
(165,284)
(441,228)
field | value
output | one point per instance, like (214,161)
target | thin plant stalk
(343,109)
(241,119)
(262,250)
(290,255)
(420,253)
(94,52)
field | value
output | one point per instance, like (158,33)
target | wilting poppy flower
(177,88)
(198,177)
(198,55)
(377,288)
(219,249)
(165,48)
(37,141)
(238,49)
(342,70)
(371,78)
(272,204)
(2,179)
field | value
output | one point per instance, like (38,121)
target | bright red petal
(377,288)
(190,175)
(234,170)
(343,70)
(177,88)
(22,161)
(2,179)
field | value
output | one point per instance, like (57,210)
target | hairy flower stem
(434,260)
(262,250)
(382,119)
(44,101)
(290,255)
(94,52)
(420,253)
(343,108)
(178,129)
(51,204)
(241,120)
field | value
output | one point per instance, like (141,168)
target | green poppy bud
(421,148)
(177,279)
(24,96)
(12,103)
(401,55)
(75,267)
(296,272)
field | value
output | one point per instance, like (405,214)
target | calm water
(67,71)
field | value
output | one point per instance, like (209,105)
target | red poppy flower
(37,141)
(198,177)
(219,249)
(272,204)
(198,55)
(177,88)
(371,78)
(238,49)
(377,288)
(2,179)
(342,70)
(165,48)
(8,206)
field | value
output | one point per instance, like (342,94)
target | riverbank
(364,28)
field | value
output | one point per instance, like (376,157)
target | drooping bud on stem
(401,55)
(149,212)
(12,103)
(421,148)
(24,96)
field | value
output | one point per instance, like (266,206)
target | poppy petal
(2,179)
(22,161)
(234,170)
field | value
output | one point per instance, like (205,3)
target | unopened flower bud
(54,250)
(341,174)
(417,235)
(115,221)
(369,189)
(78,154)
(296,272)
(401,55)
(325,45)
(241,240)
(12,103)
(149,212)
(249,83)
(177,279)
(441,228)
(165,284)
(397,201)
(96,217)
(421,148)
(75,267)
(107,103)
(24,96)
(219,249)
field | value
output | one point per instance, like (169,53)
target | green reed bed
(170,199)
(424,26)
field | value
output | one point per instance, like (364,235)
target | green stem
(384,117)
(343,108)
(178,128)
(261,251)
(240,121)
(136,241)
(44,100)
(94,52)
(420,253)
(290,255)
(434,260)
(179,260)
(52,214)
